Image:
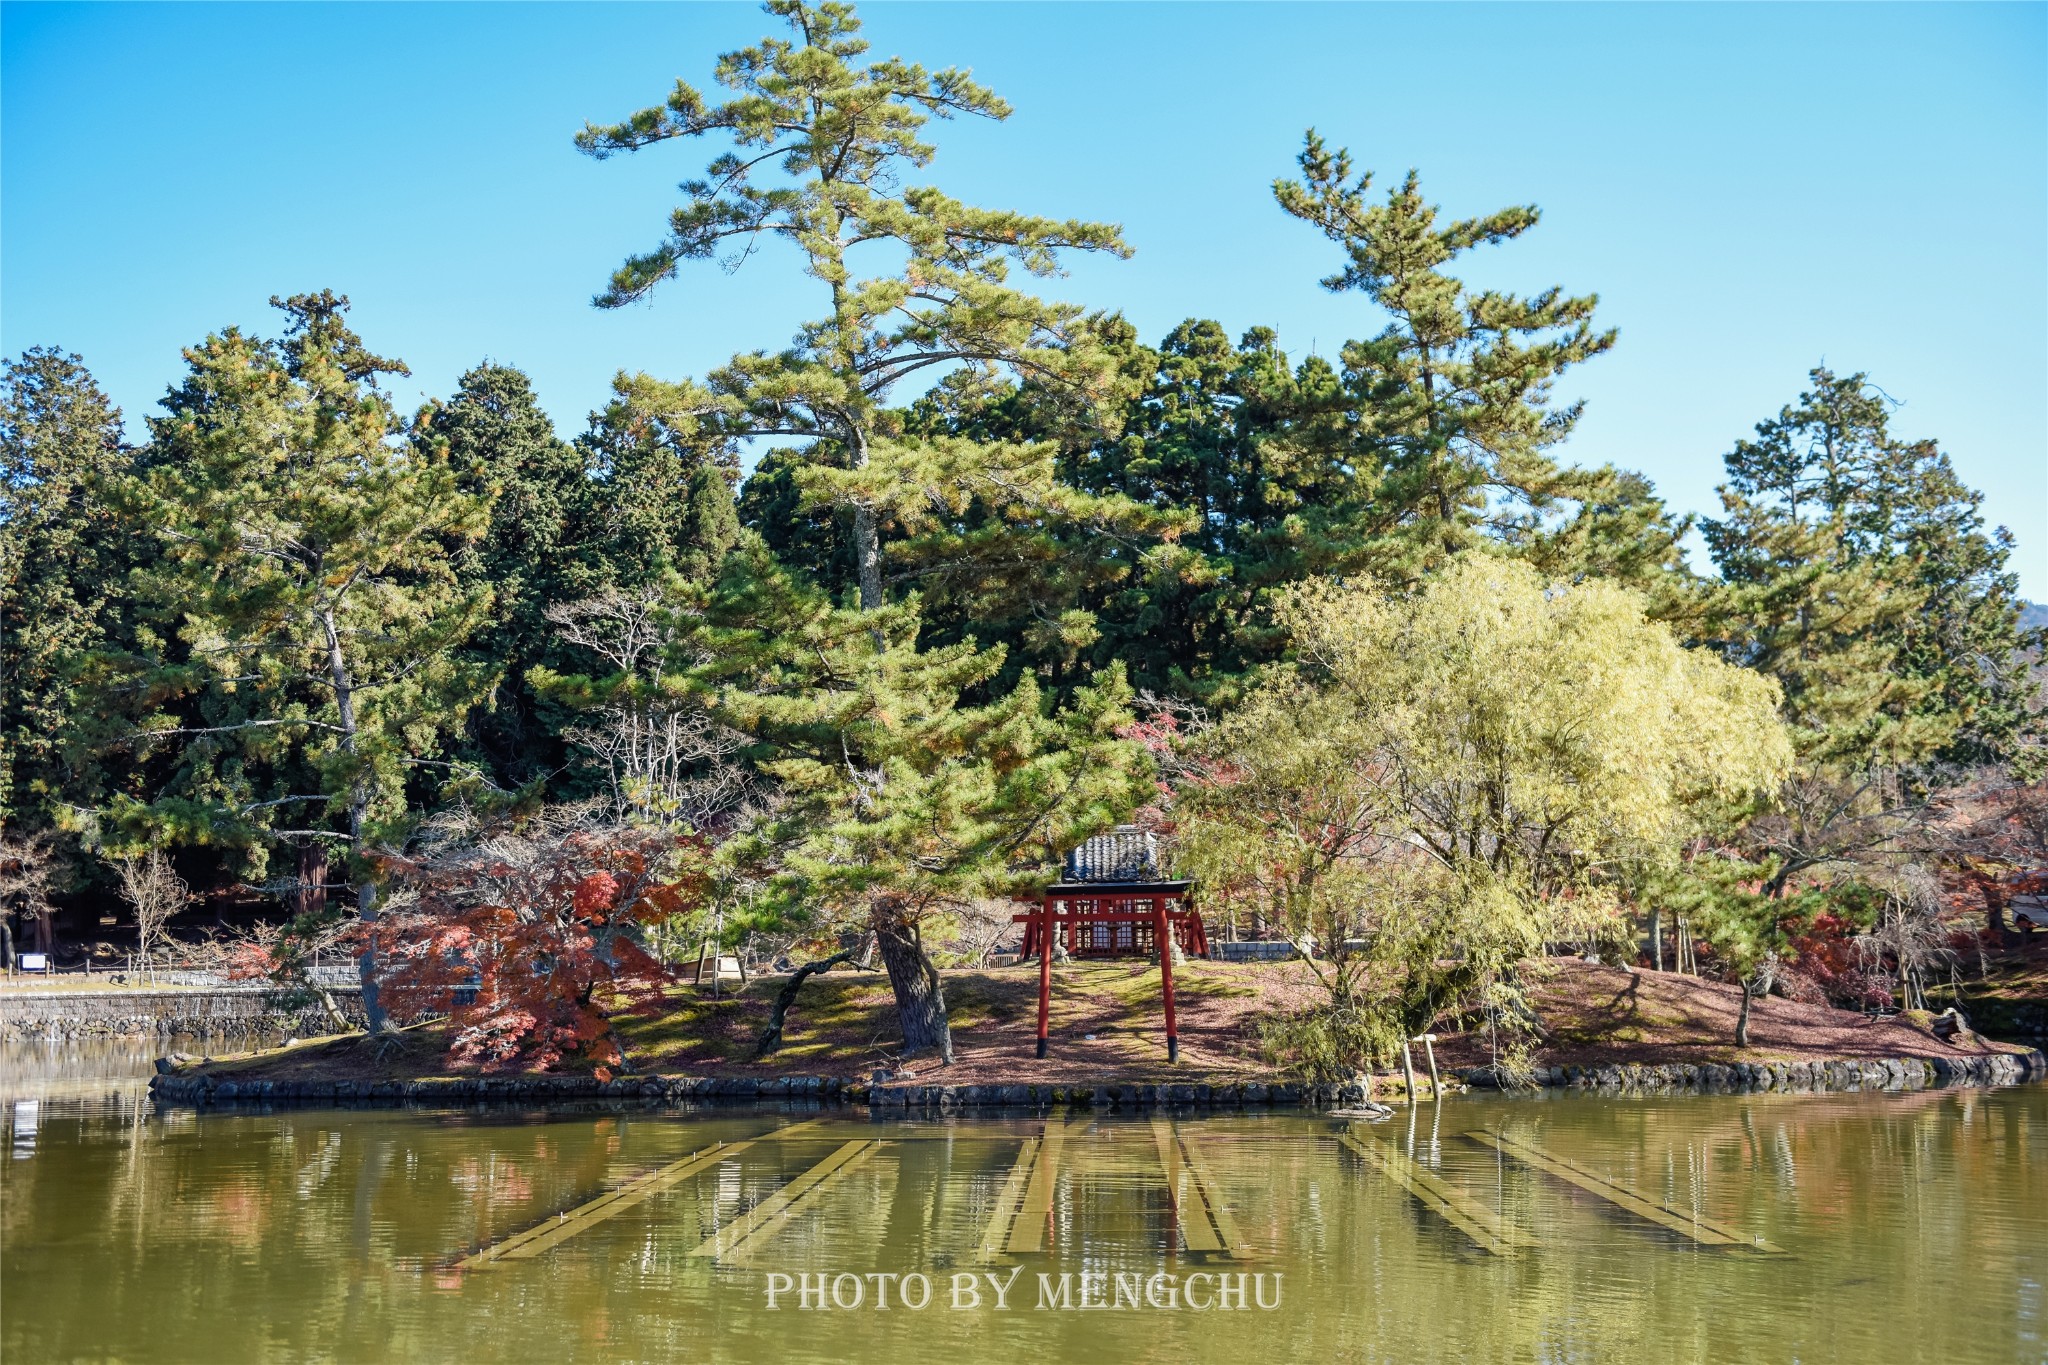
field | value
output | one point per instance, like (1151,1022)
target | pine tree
(299,651)
(1455,392)
(897,798)
(845,137)
(63,558)
(505,449)
(1855,568)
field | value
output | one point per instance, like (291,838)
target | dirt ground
(1107,1026)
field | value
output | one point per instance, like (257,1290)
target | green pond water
(1853,1228)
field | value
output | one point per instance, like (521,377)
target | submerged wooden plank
(538,1238)
(1484,1227)
(1210,1196)
(737,1239)
(1008,1200)
(1027,1233)
(1702,1230)
(1190,1208)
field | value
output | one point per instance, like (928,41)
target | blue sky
(1751,189)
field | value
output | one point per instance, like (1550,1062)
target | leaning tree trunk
(920,996)
(771,1037)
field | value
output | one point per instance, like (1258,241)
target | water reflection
(1915,1226)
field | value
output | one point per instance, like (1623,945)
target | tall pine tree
(824,144)
(1856,568)
(1455,393)
(64,557)
(299,653)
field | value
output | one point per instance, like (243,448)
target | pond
(1764,1227)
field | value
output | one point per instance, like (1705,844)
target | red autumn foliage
(522,937)
(1993,846)
(1824,966)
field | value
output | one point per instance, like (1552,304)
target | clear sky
(1751,189)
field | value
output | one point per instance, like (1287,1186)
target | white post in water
(1428,1041)
(1408,1066)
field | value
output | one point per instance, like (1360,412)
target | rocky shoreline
(1892,1073)
(172,1086)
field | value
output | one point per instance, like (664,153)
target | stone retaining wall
(1910,1073)
(233,1011)
(206,1089)
(1892,1073)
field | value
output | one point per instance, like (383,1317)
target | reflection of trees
(322,1233)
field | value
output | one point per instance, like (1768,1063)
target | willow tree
(1455,775)
(297,659)
(822,147)
(1455,392)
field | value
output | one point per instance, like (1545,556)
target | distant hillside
(2033,615)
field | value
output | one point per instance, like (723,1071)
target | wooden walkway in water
(1485,1228)
(571,1222)
(1687,1223)
(1023,1214)
(1024,1222)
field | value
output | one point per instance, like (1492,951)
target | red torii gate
(1107,907)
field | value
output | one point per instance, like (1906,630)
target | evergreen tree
(505,449)
(896,797)
(63,556)
(299,648)
(1455,392)
(845,136)
(658,498)
(1855,568)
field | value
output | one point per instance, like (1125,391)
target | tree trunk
(920,996)
(867,551)
(310,897)
(1657,938)
(1742,1020)
(1994,907)
(867,532)
(771,1037)
(358,808)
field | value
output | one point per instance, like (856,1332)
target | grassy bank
(1106,1027)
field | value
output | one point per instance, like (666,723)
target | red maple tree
(528,939)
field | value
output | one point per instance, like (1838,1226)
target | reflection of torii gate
(1109,906)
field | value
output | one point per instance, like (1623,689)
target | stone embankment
(202,1088)
(1892,1073)
(1909,1073)
(228,1011)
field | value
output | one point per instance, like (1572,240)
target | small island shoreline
(204,1089)
(1606,1030)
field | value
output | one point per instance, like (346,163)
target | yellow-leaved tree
(1443,781)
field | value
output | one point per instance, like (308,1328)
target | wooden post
(1163,932)
(1044,970)
(1436,1090)
(1408,1067)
